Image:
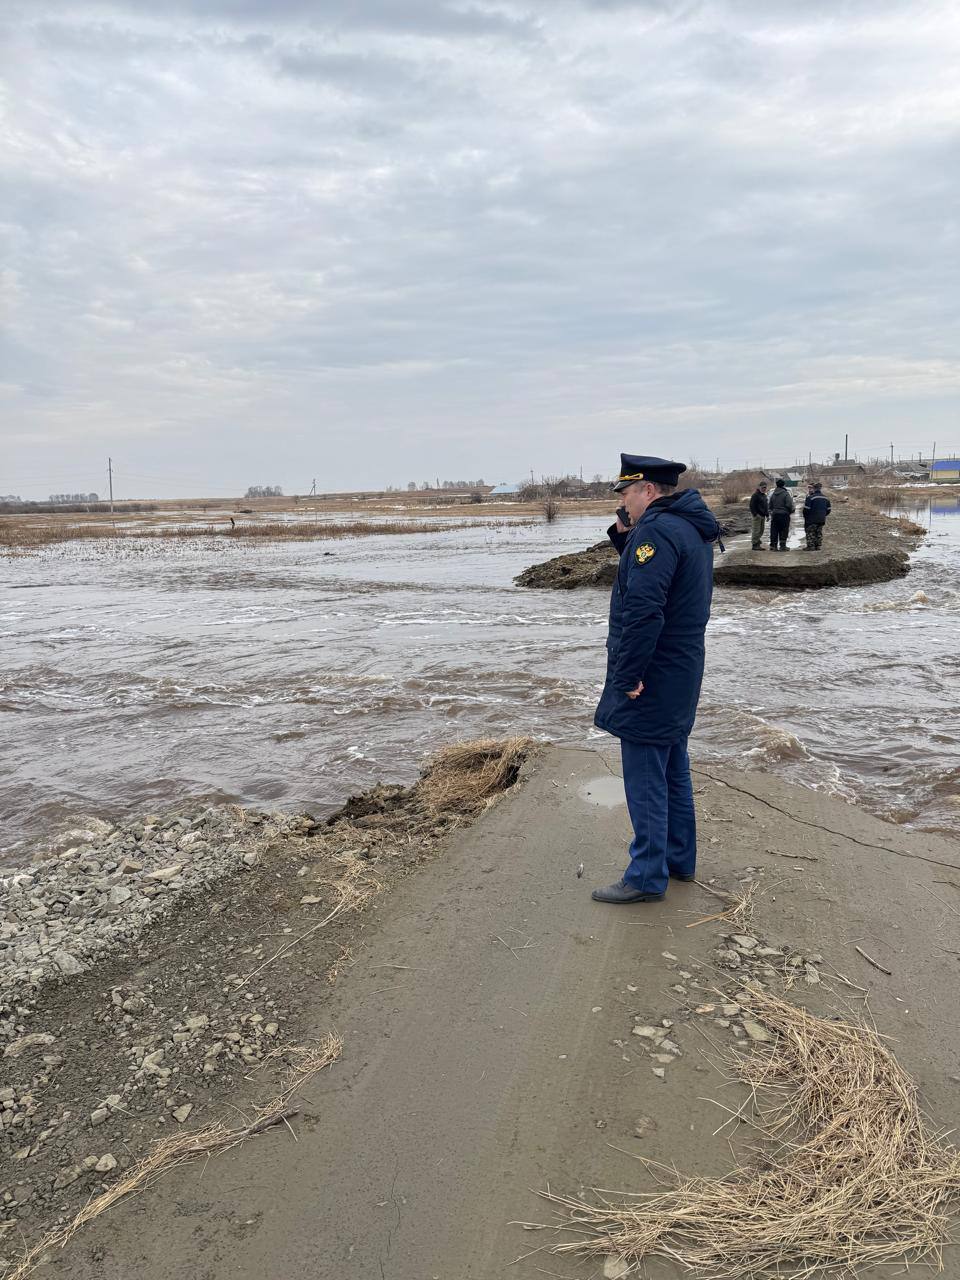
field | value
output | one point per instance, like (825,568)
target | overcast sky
(369,241)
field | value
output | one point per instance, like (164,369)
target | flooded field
(140,672)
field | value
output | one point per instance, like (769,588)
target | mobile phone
(623,516)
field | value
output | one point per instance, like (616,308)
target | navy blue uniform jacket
(659,609)
(816,508)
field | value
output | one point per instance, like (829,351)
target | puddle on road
(605,792)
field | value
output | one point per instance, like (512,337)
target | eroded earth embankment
(860,546)
(152,968)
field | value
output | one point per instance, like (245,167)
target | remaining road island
(861,546)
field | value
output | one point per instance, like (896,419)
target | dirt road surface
(487,1036)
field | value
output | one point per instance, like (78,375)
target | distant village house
(946,471)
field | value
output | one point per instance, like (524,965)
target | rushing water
(137,673)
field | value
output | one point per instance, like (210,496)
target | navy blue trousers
(659,793)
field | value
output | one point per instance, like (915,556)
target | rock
(66,1177)
(250,859)
(197,1022)
(756,1032)
(309,900)
(745,941)
(106,1162)
(165,874)
(31,1041)
(181,1113)
(648,1033)
(643,1126)
(769,953)
(812,977)
(98,1116)
(659,1073)
(119,894)
(668,955)
(67,964)
(129,865)
(615,1268)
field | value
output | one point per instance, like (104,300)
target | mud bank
(503,1033)
(597,565)
(151,969)
(860,546)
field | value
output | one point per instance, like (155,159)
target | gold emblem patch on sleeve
(645,553)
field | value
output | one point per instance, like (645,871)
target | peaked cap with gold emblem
(634,467)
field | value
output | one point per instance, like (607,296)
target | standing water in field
(140,673)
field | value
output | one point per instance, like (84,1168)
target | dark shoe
(674,876)
(621,892)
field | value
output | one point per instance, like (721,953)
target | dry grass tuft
(850,1176)
(464,778)
(740,910)
(182,1148)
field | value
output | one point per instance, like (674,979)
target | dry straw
(463,779)
(850,1175)
(182,1148)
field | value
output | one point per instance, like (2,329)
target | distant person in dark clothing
(781,509)
(803,509)
(816,508)
(759,509)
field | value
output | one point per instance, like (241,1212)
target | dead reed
(850,1175)
(182,1148)
(464,778)
(19,534)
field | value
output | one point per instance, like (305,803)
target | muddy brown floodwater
(139,673)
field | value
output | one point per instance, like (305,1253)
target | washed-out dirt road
(488,1046)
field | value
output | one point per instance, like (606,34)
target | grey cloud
(710,225)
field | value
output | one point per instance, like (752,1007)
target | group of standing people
(779,507)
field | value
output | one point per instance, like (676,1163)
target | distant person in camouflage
(816,508)
(759,510)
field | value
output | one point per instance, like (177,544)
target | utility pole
(846,448)
(110,474)
(313,494)
(933,456)
(891,455)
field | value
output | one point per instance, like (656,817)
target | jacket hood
(689,506)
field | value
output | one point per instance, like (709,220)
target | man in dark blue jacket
(659,609)
(816,508)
